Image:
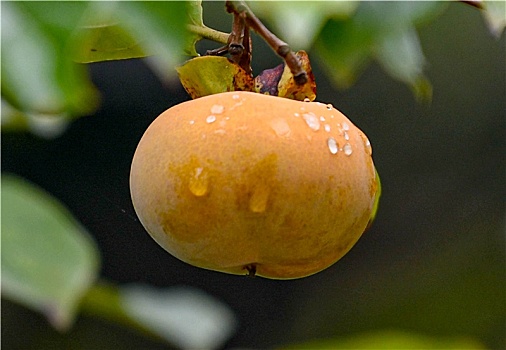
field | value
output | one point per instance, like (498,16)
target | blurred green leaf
(388,340)
(400,54)
(381,30)
(37,73)
(43,125)
(186,317)
(299,22)
(183,317)
(102,42)
(495,16)
(48,259)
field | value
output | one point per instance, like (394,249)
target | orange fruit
(242,182)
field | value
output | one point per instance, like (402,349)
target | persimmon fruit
(242,182)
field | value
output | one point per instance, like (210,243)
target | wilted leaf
(289,89)
(48,259)
(279,81)
(186,317)
(267,81)
(207,75)
(388,339)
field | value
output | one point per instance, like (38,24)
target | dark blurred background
(432,263)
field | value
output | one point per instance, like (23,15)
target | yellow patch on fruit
(241,182)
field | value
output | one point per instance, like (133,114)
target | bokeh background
(433,263)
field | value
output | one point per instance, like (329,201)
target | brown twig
(239,8)
(474,3)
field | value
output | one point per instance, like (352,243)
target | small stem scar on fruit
(252,270)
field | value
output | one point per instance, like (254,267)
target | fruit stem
(252,270)
(209,33)
(280,47)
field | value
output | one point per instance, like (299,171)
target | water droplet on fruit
(346,127)
(199,182)
(311,121)
(329,106)
(322,118)
(333,146)
(235,96)
(296,114)
(280,127)
(367,144)
(327,127)
(192,122)
(217,109)
(346,136)
(347,149)
(211,119)
(259,198)
(307,100)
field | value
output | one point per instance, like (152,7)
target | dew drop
(327,127)
(211,119)
(333,146)
(217,109)
(329,106)
(322,118)
(311,121)
(307,100)
(192,122)
(346,136)
(235,96)
(259,198)
(296,114)
(199,182)
(346,127)
(367,144)
(280,127)
(347,149)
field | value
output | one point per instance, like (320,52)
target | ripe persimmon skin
(240,180)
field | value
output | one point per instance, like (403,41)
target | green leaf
(48,259)
(184,316)
(299,22)
(495,16)
(388,339)
(344,49)
(103,42)
(207,75)
(47,126)
(400,54)
(381,30)
(195,19)
(37,73)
